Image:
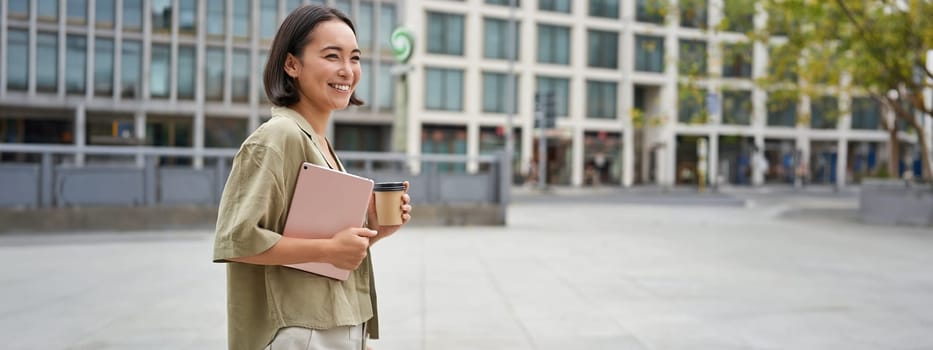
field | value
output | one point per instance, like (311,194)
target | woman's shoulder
(273,141)
(277,133)
(276,127)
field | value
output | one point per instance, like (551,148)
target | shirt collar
(297,118)
(306,127)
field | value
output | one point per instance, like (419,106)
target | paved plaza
(752,270)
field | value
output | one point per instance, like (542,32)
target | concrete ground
(744,270)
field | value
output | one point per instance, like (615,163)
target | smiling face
(328,68)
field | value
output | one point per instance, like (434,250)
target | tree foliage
(880,45)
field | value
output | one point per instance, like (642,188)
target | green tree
(880,44)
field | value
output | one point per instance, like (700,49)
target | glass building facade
(633,87)
(172,73)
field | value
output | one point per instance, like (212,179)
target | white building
(603,59)
(125,72)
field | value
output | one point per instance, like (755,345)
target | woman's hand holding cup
(389,208)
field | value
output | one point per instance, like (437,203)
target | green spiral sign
(403,42)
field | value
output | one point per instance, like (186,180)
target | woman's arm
(345,250)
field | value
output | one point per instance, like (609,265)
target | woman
(312,70)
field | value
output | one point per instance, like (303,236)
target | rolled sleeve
(252,204)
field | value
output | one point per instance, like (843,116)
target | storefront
(602,158)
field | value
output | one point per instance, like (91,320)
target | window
(133,15)
(554,5)
(560,87)
(692,58)
(736,107)
(386,88)
(214,75)
(650,11)
(239,83)
(161,15)
(160,71)
(131,72)
(781,60)
(19,8)
(364,89)
(76,64)
(187,17)
(553,44)
(824,112)
(292,5)
(185,74)
(737,60)
(224,132)
(739,15)
(604,8)
(693,13)
(492,140)
(691,106)
(48,10)
(866,113)
(366,138)
(17,59)
(263,57)
(496,39)
(603,49)
(444,89)
(77,11)
(601,97)
(782,109)
(103,13)
(649,53)
(103,66)
(47,58)
(364,26)
(495,93)
(518,3)
(241,18)
(387,23)
(169,131)
(438,139)
(216,20)
(53,128)
(344,6)
(268,19)
(445,33)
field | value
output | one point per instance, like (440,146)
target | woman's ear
(292,66)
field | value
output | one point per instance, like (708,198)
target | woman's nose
(346,70)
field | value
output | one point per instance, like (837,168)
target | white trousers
(337,338)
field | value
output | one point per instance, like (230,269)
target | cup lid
(389,186)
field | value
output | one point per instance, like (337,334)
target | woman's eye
(355,58)
(331,56)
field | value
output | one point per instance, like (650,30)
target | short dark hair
(292,37)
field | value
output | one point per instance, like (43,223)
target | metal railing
(69,176)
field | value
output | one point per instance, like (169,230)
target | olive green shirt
(260,298)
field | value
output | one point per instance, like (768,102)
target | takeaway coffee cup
(389,202)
